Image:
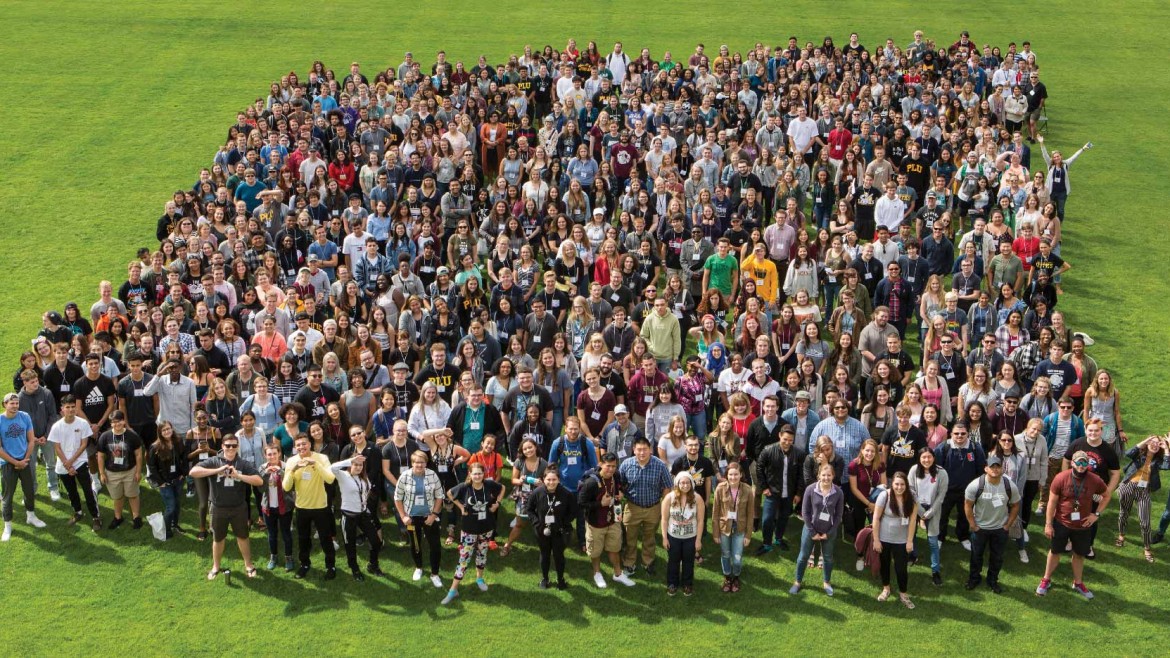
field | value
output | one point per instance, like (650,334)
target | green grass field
(123,102)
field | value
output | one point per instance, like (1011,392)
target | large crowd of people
(605,302)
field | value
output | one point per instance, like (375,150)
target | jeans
(1058,199)
(558,420)
(822,214)
(171,493)
(85,480)
(775,515)
(664,364)
(806,549)
(731,554)
(680,561)
(697,423)
(935,556)
(9,475)
(279,526)
(981,540)
(830,290)
(46,455)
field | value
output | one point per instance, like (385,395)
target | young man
(780,467)
(599,497)
(721,270)
(645,480)
(307,473)
(991,505)
(120,462)
(38,403)
(69,437)
(1069,516)
(16,450)
(229,501)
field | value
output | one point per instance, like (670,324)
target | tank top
(682,521)
(1102,409)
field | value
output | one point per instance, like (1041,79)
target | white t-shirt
(802,132)
(70,436)
(354,246)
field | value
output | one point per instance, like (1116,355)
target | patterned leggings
(477,545)
(1131,493)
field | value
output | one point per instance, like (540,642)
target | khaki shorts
(602,540)
(221,517)
(122,484)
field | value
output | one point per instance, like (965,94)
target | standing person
(358,494)
(120,461)
(306,473)
(551,509)
(895,519)
(599,497)
(135,403)
(526,473)
(573,455)
(929,485)
(167,460)
(229,501)
(277,506)
(733,516)
(963,460)
(418,498)
(992,503)
(822,509)
(478,500)
(1068,517)
(1104,462)
(645,480)
(780,467)
(69,436)
(41,406)
(1141,480)
(682,516)
(17,442)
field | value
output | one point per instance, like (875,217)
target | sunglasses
(1082,464)
(232,446)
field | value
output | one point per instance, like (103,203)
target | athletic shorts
(222,517)
(1062,535)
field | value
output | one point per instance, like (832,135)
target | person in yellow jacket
(762,270)
(663,335)
(306,473)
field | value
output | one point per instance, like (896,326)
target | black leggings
(1031,488)
(350,525)
(420,531)
(71,483)
(896,552)
(552,549)
(322,520)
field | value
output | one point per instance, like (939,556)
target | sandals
(251,572)
(884,595)
(1149,556)
(450,541)
(906,601)
(1120,541)
(213,574)
(505,550)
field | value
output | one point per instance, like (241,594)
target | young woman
(448,459)
(550,509)
(878,415)
(478,501)
(733,514)
(1141,480)
(933,426)
(429,416)
(822,510)
(502,381)
(682,517)
(895,519)
(418,497)
(359,499)
(928,485)
(293,427)
(285,383)
(810,347)
(168,468)
(914,402)
(866,478)
(202,442)
(658,418)
(277,505)
(558,383)
(1103,402)
(526,474)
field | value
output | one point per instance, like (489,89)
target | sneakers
(795,589)
(972,584)
(116,522)
(671,590)
(436,581)
(828,589)
(54,495)
(301,573)
(357,575)
(136,523)
(271,562)
(73,519)
(995,587)
(688,590)
(374,570)
(936,578)
(860,564)
(451,596)
(1026,538)
(650,571)
(1042,588)
(7,532)
(481,584)
(783,545)
(562,584)
(544,584)
(289,565)
(629,571)
(599,580)
(623,579)
(1023,556)
(417,575)
(97,525)
(764,549)
(330,573)
(33,520)
(966,544)
(1080,588)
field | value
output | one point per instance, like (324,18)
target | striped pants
(1130,493)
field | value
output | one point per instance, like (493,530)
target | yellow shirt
(765,275)
(308,483)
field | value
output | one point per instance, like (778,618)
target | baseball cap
(599,211)
(313,257)
(443,270)
(994,460)
(302,316)
(54,317)
(1080,455)
(620,409)
(71,305)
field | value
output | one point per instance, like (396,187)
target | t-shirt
(1061,375)
(70,436)
(227,491)
(1102,458)
(139,405)
(721,269)
(893,528)
(120,450)
(994,503)
(94,395)
(14,434)
(903,449)
(596,411)
(1076,497)
(478,519)
(701,470)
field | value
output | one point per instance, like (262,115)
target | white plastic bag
(158,526)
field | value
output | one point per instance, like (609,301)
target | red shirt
(1076,497)
(839,141)
(1026,249)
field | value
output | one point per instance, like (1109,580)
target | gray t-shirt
(226,491)
(893,528)
(991,510)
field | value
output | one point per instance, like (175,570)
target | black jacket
(492,424)
(758,437)
(771,469)
(563,508)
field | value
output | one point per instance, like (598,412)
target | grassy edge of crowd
(145,91)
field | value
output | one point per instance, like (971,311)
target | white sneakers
(599,580)
(34,521)
(417,575)
(7,531)
(436,581)
(860,564)
(54,495)
(1023,556)
(967,544)
(623,579)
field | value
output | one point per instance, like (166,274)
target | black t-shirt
(738,238)
(443,378)
(314,401)
(226,491)
(94,395)
(404,396)
(903,447)
(516,402)
(702,470)
(139,406)
(120,450)
(615,383)
(1102,458)
(902,359)
(478,518)
(399,458)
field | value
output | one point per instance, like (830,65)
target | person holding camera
(551,509)
(306,473)
(229,477)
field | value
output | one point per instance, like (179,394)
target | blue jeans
(1164,522)
(831,290)
(806,549)
(935,559)
(697,423)
(558,420)
(821,214)
(774,518)
(170,496)
(731,554)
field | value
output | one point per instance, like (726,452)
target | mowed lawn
(115,105)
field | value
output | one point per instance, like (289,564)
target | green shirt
(722,269)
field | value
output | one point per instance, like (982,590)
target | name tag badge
(818,199)
(879,424)
(695,257)
(140,392)
(482,516)
(549,519)
(172,468)
(1142,484)
(202,456)
(306,475)
(950,374)
(473,425)
(910,279)
(868,275)
(648,399)
(732,516)
(419,501)
(997,502)
(118,461)
(228,482)
(442,468)
(722,464)
(556,303)
(1031,461)
(824,516)
(596,415)
(440,388)
(572,461)
(536,339)
(64,388)
(621,454)
(905,520)
(1075,516)
(616,350)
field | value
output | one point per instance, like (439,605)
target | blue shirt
(419,506)
(847,438)
(644,484)
(324,252)
(572,459)
(14,434)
